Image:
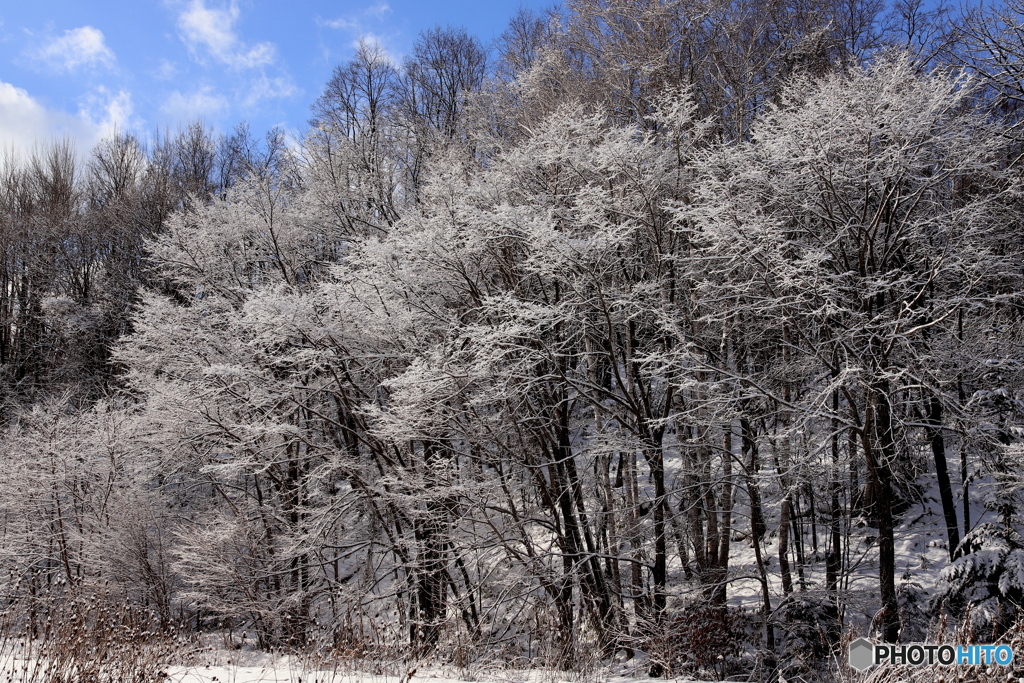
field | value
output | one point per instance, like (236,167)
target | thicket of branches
(609,340)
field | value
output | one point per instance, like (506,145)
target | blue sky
(84,67)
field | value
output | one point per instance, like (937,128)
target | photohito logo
(865,653)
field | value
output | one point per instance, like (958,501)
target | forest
(654,331)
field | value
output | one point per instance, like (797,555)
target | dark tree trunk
(787,576)
(758,528)
(833,560)
(879,449)
(432,578)
(726,527)
(934,417)
(762,574)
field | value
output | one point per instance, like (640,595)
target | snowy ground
(19,664)
(262,668)
(283,673)
(921,554)
(255,667)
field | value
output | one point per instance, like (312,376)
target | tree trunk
(762,574)
(833,560)
(934,417)
(758,528)
(725,536)
(787,576)
(432,577)
(879,450)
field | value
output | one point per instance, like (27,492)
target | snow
(284,672)
(252,666)
(249,666)
(920,550)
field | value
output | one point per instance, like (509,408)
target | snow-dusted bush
(985,584)
(701,638)
(803,619)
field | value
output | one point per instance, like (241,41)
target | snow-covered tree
(868,212)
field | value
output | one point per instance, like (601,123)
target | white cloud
(359,27)
(166,71)
(381,10)
(78,47)
(25,122)
(342,23)
(212,30)
(202,103)
(265,88)
(108,111)
(376,43)
(356,22)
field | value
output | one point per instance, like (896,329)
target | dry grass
(89,640)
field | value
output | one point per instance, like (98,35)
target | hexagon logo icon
(862,654)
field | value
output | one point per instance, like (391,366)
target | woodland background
(539,351)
